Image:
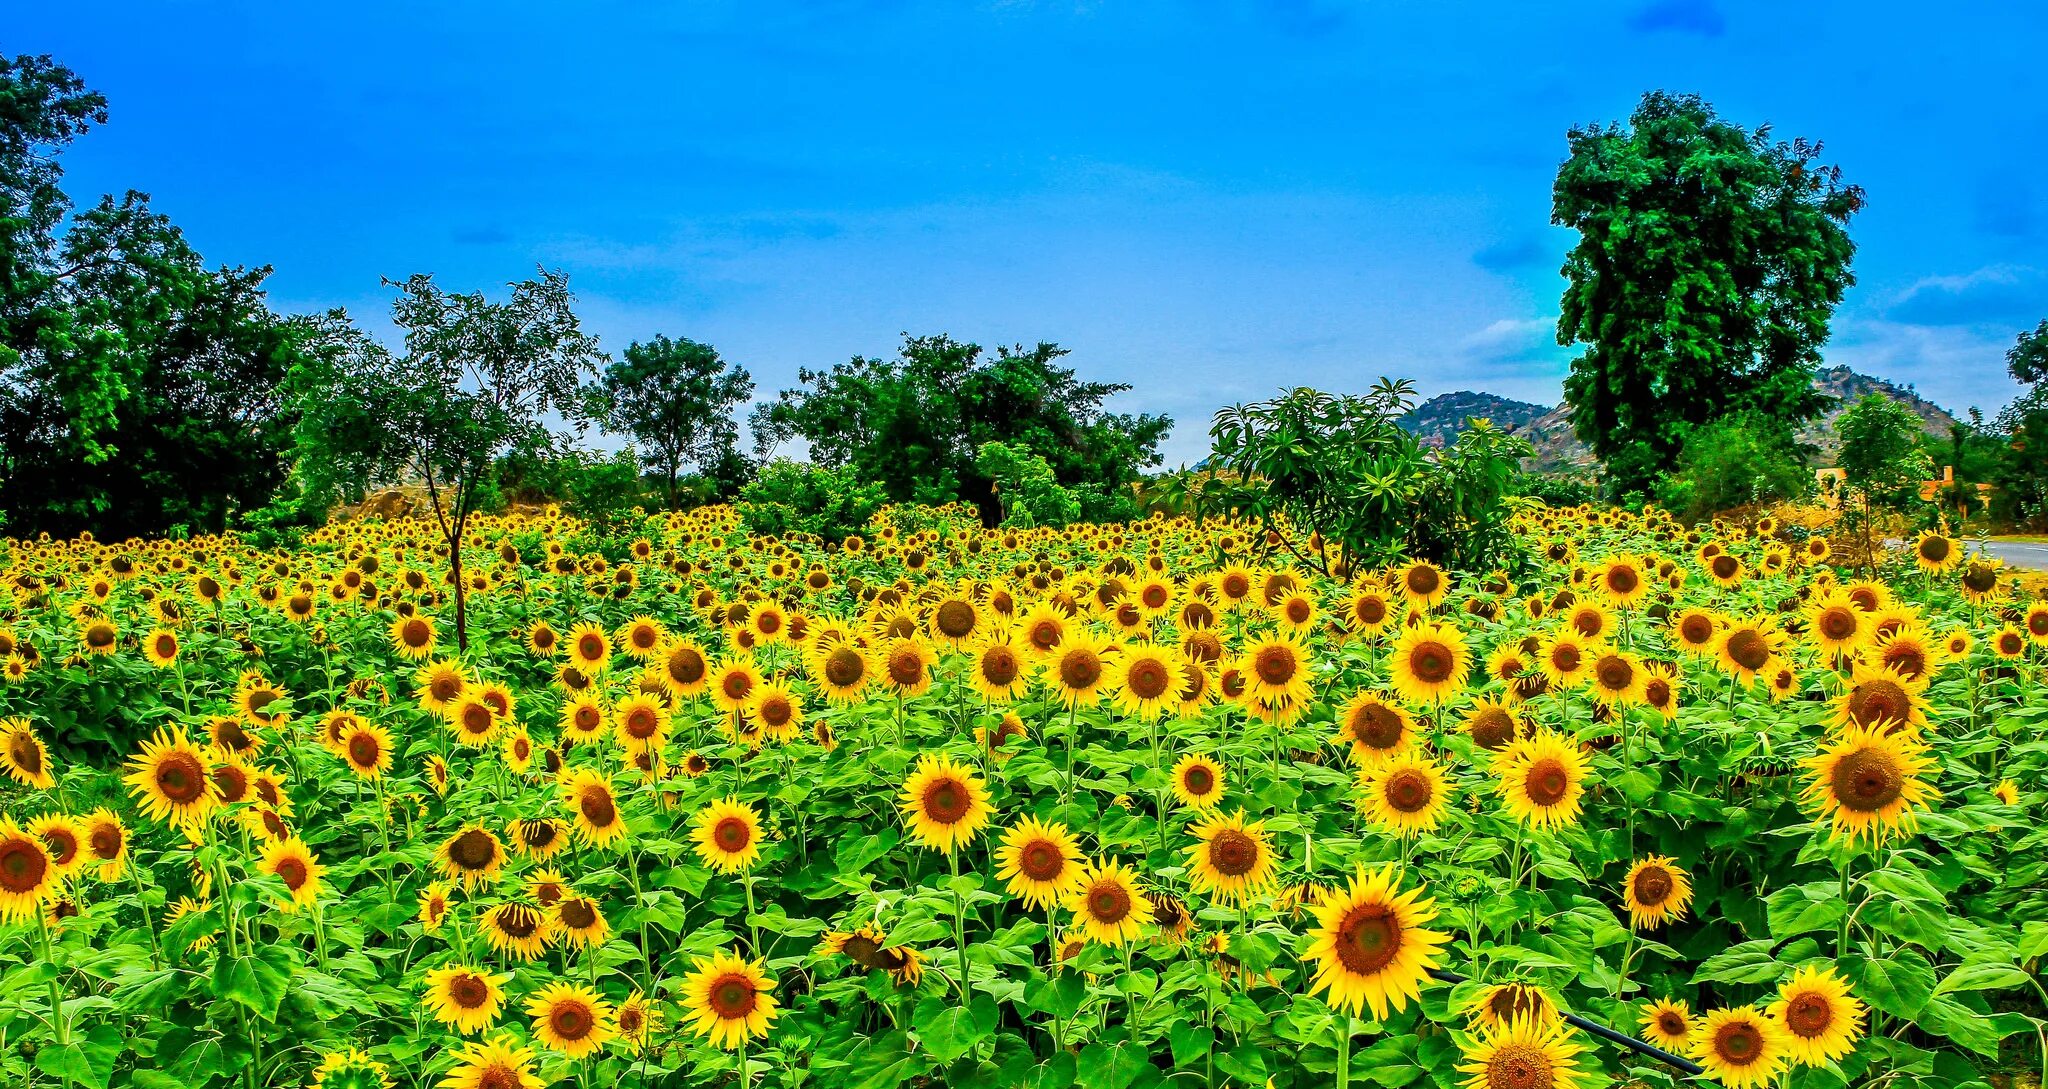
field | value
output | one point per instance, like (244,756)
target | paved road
(2033,557)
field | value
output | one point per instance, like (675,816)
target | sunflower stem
(156,953)
(753,928)
(959,921)
(1842,936)
(57,1025)
(1344,1027)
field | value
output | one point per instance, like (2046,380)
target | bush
(791,497)
(1733,462)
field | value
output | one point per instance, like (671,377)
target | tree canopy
(915,422)
(1710,259)
(139,389)
(676,399)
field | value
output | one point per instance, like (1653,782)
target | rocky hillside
(1438,420)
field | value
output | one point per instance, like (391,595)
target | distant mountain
(1438,420)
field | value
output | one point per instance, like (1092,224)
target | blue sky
(1207,200)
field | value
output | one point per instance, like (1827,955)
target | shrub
(791,497)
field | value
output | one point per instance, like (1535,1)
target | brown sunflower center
(1696,629)
(292,872)
(1080,669)
(590,646)
(1275,665)
(1838,622)
(23,866)
(1565,657)
(1623,580)
(1368,939)
(1431,662)
(1520,1066)
(1739,1043)
(477,719)
(1422,581)
(1546,782)
(1867,780)
(363,750)
(1879,700)
(731,997)
(1233,853)
(736,685)
(416,633)
(1936,549)
(999,666)
(597,807)
(1377,726)
(517,921)
(1653,885)
(732,834)
(571,1019)
(1748,648)
(1672,1025)
(1408,791)
(1614,673)
(181,778)
(686,666)
(1198,780)
(1492,728)
(1725,566)
(1041,860)
(1109,902)
(946,800)
(1148,679)
(642,722)
(24,753)
(469,991)
(906,667)
(1808,1015)
(954,619)
(473,850)
(578,914)
(107,842)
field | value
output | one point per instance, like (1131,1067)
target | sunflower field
(1179,802)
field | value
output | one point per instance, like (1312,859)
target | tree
(1319,471)
(139,389)
(1884,461)
(790,497)
(2022,474)
(914,423)
(1025,486)
(675,398)
(476,380)
(1710,258)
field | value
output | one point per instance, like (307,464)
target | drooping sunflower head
(23,756)
(1500,1005)
(520,931)
(594,807)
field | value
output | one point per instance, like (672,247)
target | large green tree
(676,399)
(915,422)
(138,387)
(2022,473)
(478,379)
(1710,259)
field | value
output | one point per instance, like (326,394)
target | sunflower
(640,723)
(1406,794)
(1725,570)
(23,756)
(1911,651)
(472,720)
(728,835)
(434,906)
(499,1064)
(955,621)
(1423,584)
(1491,723)
(595,808)
(1107,904)
(1747,647)
(1881,699)
(366,748)
(1198,781)
(292,862)
(439,683)
(413,636)
(727,999)
(637,1020)
(571,1019)
(1369,944)
(465,998)
(1146,679)
(1043,630)
(1622,580)
(28,875)
(1429,663)
(590,649)
(642,638)
(1591,620)
(1232,861)
(160,648)
(944,803)
(539,838)
(172,780)
(1541,780)
(842,670)
(1936,553)
(472,856)
(1079,670)
(998,667)
(1500,1005)
(1296,613)
(684,670)
(864,947)
(1835,626)
(1669,1024)
(1696,631)
(1618,678)
(1522,1053)
(543,640)
(2007,792)
(1740,1047)
(350,1069)
(1276,671)
(518,930)
(1656,892)
(1867,783)
(1821,1020)
(1565,659)
(1041,862)
(106,839)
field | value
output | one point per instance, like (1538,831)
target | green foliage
(1884,455)
(1025,486)
(1557,491)
(2022,473)
(1710,258)
(475,382)
(1341,469)
(676,398)
(138,388)
(916,422)
(1734,461)
(790,497)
